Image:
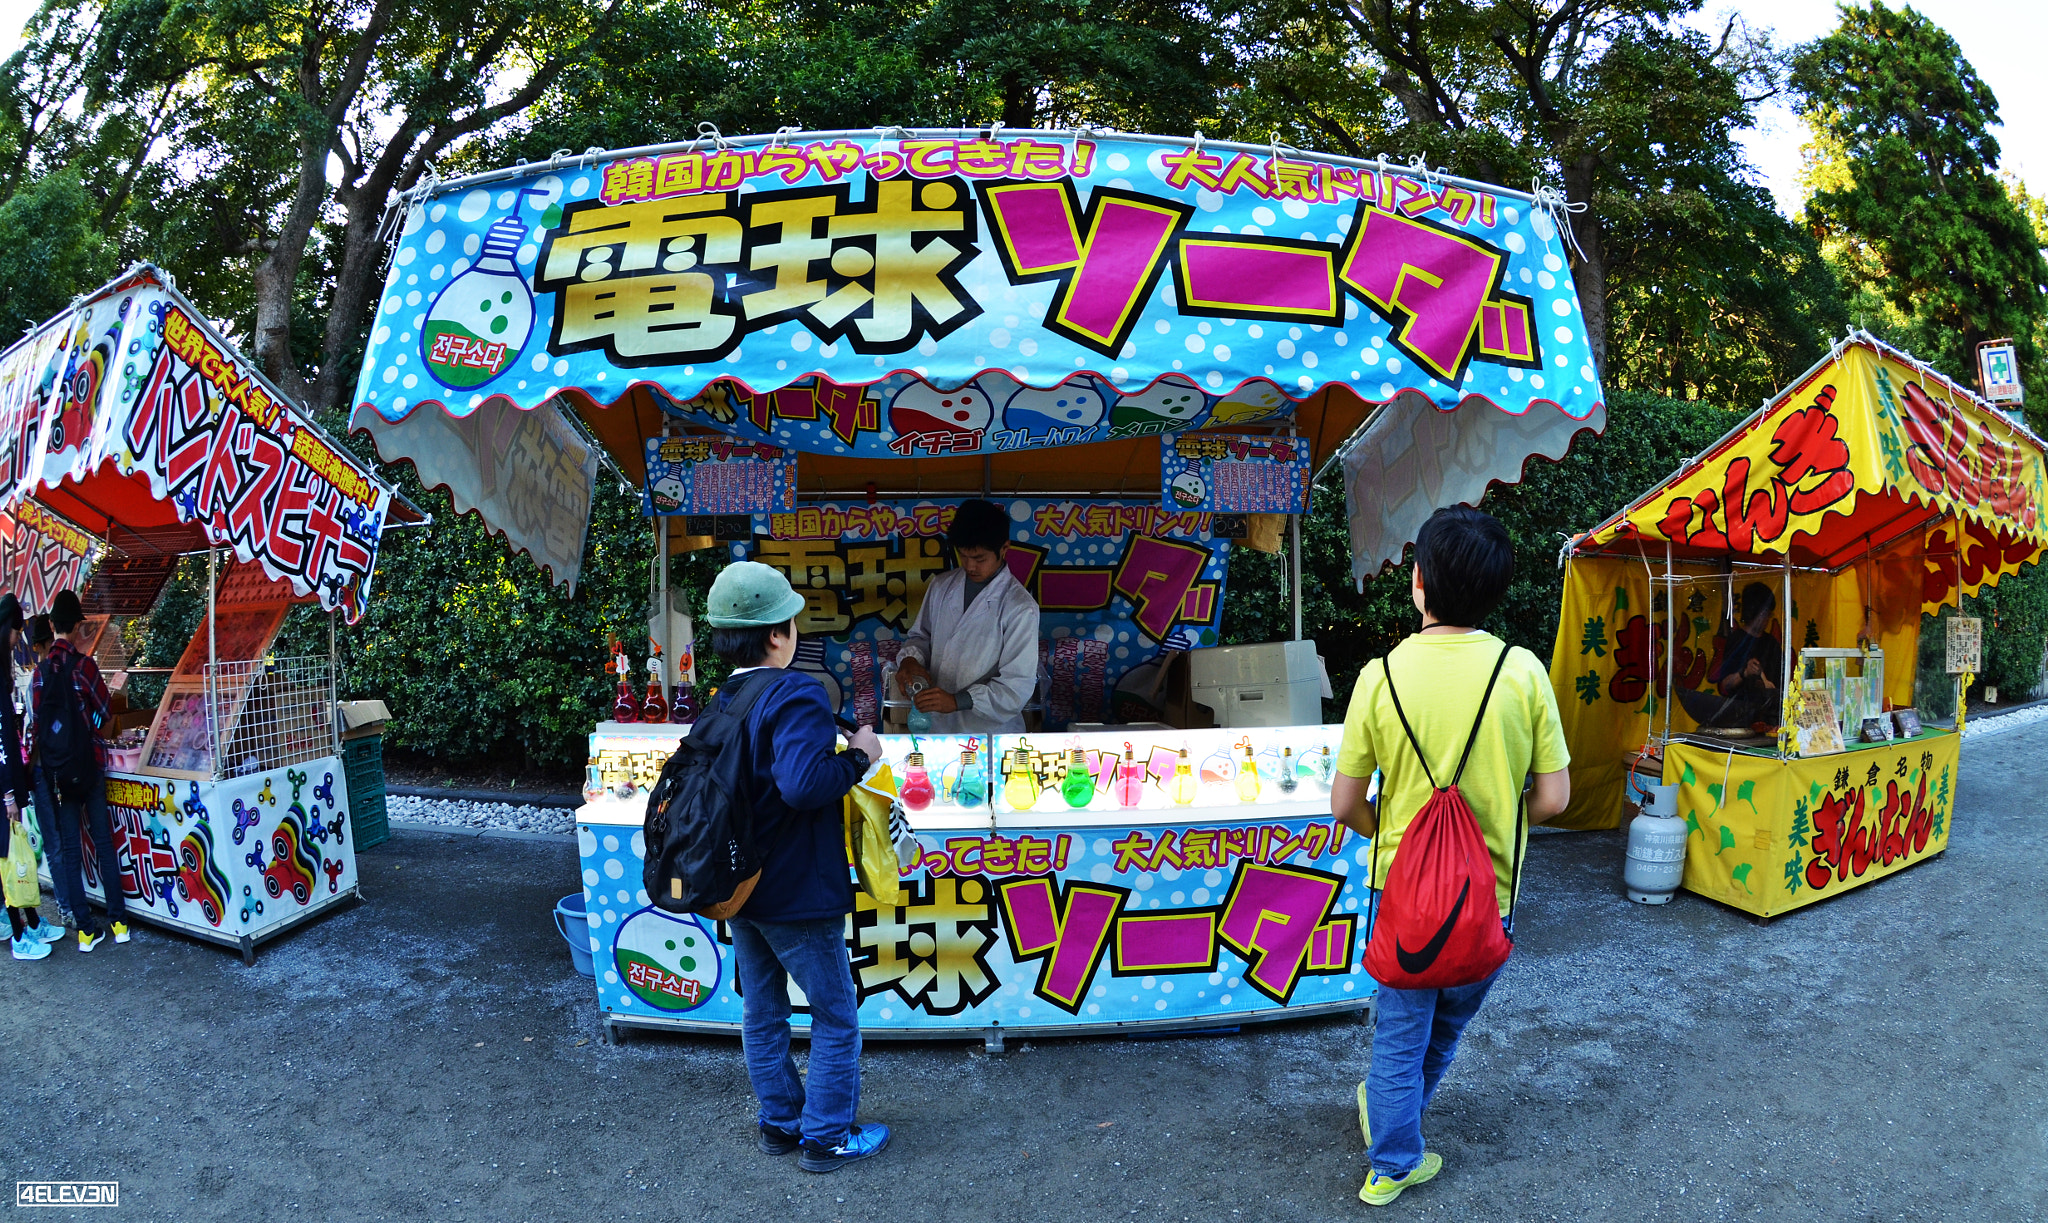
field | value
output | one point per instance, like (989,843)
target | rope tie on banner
(1197,145)
(1561,211)
(589,157)
(1418,165)
(782,136)
(555,162)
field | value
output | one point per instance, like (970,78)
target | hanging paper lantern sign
(717,475)
(1234,474)
(938,293)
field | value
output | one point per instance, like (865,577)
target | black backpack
(701,853)
(64,734)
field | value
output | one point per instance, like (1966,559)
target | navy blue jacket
(796,783)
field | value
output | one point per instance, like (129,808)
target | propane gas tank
(1656,849)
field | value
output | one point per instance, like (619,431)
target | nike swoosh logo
(1415,963)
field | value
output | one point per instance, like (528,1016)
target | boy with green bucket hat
(794,923)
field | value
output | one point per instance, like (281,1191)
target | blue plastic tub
(574,925)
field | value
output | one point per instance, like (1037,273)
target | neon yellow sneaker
(1364,1118)
(1379,1190)
(120,932)
(88,940)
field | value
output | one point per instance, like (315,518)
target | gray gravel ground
(406,810)
(429,1055)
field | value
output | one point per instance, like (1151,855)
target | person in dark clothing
(1746,681)
(32,935)
(793,926)
(41,637)
(81,808)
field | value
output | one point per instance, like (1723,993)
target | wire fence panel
(270,713)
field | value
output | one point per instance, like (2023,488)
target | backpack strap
(1477,718)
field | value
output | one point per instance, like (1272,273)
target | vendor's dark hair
(979,524)
(1756,598)
(747,647)
(1467,561)
(65,611)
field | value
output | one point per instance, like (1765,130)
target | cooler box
(1276,684)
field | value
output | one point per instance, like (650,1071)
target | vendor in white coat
(975,643)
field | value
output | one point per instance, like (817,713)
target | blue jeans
(767,955)
(1414,1037)
(46,823)
(69,871)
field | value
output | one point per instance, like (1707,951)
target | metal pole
(668,651)
(213,657)
(1670,660)
(1294,556)
(333,682)
(1785,647)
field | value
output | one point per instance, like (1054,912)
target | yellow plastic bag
(868,843)
(22,889)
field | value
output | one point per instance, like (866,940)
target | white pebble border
(2000,723)
(461,813)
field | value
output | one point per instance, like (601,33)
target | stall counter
(1768,836)
(1027,913)
(236,861)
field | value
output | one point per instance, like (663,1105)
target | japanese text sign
(1118,286)
(718,475)
(1038,928)
(41,554)
(1114,584)
(1998,370)
(1232,474)
(1965,644)
(134,375)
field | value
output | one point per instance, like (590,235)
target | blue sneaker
(29,947)
(778,1141)
(859,1143)
(46,932)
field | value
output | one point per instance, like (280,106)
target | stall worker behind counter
(1746,682)
(975,642)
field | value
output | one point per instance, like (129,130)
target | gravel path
(405,811)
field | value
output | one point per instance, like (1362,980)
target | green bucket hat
(751,595)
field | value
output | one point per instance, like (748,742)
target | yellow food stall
(1871,492)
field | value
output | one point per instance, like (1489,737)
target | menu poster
(180,741)
(1816,726)
(718,475)
(1965,644)
(1228,473)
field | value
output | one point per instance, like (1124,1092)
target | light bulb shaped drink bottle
(1248,775)
(1079,787)
(916,791)
(971,788)
(1020,787)
(1130,780)
(1184,785)
(478,324)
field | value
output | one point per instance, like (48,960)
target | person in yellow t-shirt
(1463,564)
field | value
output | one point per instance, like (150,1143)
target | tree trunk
(277,276)
(1589,277)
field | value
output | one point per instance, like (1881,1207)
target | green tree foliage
(1915,190)
(49,241)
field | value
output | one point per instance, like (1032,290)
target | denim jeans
(767,955)
(46,823)
(69,871)
(1414,1037)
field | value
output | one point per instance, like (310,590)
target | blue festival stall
(807,349)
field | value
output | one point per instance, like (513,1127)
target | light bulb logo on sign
(478,324)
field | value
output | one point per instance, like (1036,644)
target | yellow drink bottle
(1248,775)
(1020,786)
(1185,787)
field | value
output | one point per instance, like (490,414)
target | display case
(1086,887)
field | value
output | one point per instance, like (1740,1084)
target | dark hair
(1756,598)
(39,631)
(65,612)
(979,524)
(747,647)
(1466,561)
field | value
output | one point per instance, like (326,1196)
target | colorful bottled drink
(916,790)
(1079,787)
(1020,783)
(1130,780)
(683,709)
(1288,779)
(1247,775)
(625,706)
(970,788)
(1185,787)
(655,707)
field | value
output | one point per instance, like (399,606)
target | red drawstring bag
(1438,923)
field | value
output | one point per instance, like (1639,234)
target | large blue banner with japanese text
(1025,290)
